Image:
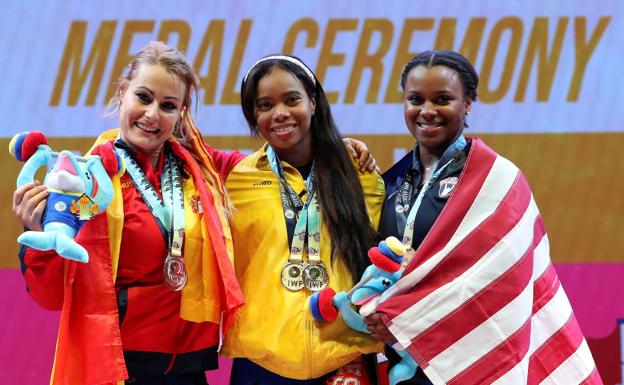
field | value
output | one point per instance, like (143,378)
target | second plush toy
(326,304)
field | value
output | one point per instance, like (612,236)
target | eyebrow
(152,93)
(445,91)
(287,93)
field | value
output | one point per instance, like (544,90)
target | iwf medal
(291,276)
(315,276)
(175,273)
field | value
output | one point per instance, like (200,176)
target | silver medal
(175,273)
(292,276)
(315,276)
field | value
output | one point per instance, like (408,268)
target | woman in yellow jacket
(302,221)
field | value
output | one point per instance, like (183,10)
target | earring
(467,112)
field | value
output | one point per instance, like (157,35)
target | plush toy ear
(388,252)
(321,305)
(383,262)
(396,246)
(112,162)
(23,145)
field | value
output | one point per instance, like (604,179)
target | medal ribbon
(404,195)
(308,223)
(408,232)
(169,211)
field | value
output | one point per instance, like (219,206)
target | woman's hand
(359,151)
(378,328)
(29,201)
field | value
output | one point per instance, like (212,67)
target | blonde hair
(175,63)
(185,132)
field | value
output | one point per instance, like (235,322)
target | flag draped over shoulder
(480,302)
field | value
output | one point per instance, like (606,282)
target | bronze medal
(175,273)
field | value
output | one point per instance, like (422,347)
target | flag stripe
(482,305)
(545,288)
(487,336)
(489,367)
(470,184)
(574,370)
(517,375)
(466,262)
(593,379)
(550,318)
(494,189)
(505,356)
(542,325)
(555,351)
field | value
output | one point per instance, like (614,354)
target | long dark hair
(340,193)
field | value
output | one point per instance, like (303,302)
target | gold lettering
(213,39)
(124,57)
(72,56)
(446,34)
(178,27)
(537,49)
(514,26)
(229,94)
(302,25)
(584,50)
(472,39)
(327,57)
(373,60)
(404,55)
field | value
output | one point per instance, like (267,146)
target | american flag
(480,302)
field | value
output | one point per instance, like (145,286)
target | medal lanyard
(169,211)
(408,232)
(308,222)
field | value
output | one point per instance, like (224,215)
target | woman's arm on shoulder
(360,153)
(224,161)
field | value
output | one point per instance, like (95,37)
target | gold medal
(408,257)
(292,276)
(315,276)
(175,273)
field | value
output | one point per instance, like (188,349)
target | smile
(150,130)
(283,128)
(429,126)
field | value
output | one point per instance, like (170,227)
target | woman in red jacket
(126,315)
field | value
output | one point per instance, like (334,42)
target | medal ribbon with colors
(406,190)
(404,195)
(169,211)
(297,274)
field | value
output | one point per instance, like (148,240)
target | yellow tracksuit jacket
(274,328)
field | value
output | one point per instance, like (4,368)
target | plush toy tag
(84,208)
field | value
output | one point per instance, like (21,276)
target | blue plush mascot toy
(79,188)
(377,278)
